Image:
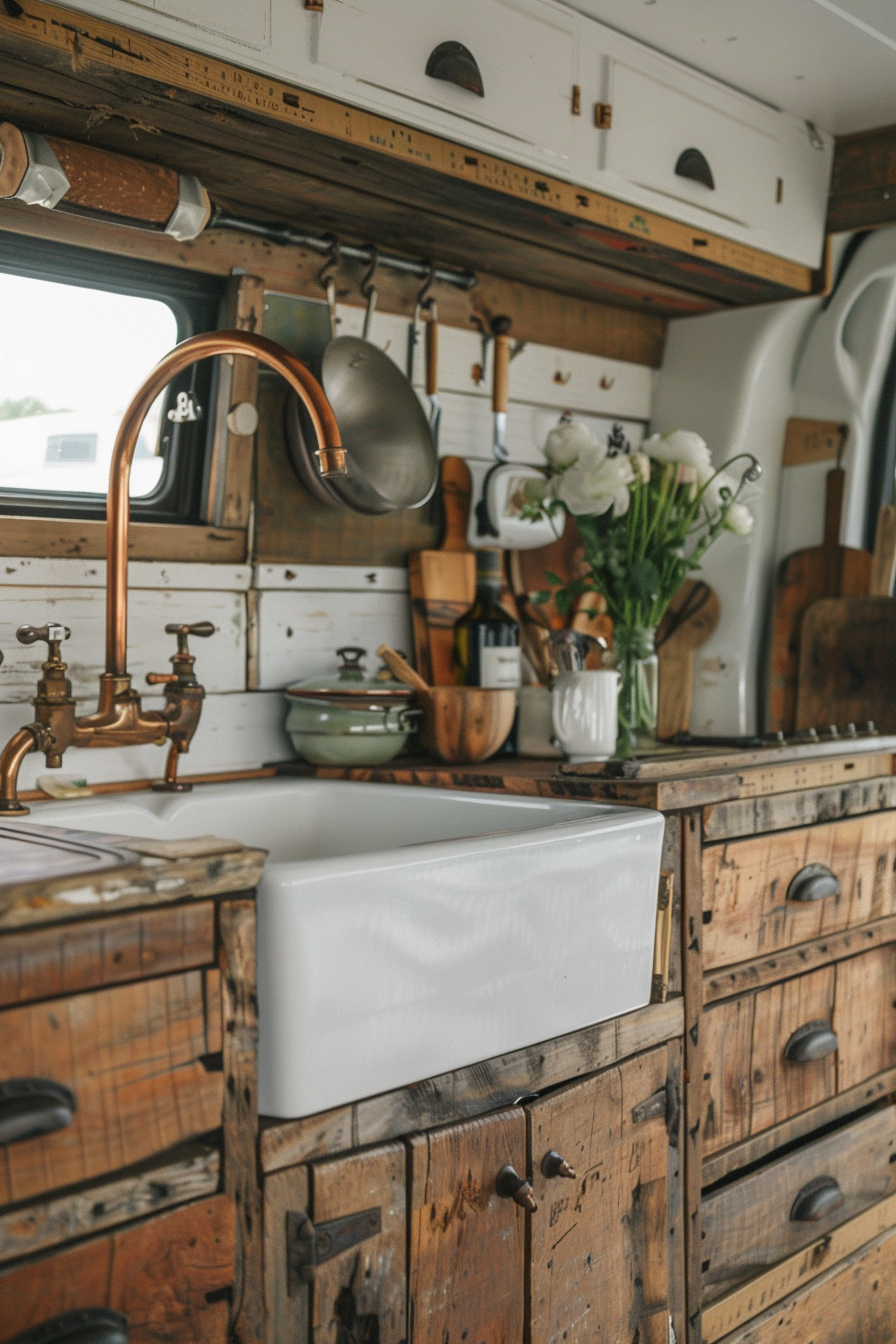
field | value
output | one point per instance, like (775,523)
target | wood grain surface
(746,912)
(692,617)
(802,807)
(361,1294)
(846,658)
(67,958)
(747,1225)
(854,1303)
(599,1250)
(190,1174)
(133,1058)
(286,1317)
(443,582)
(467,1244)
(170,1276)
(748,1084)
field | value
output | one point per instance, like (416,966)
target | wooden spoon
(402,670)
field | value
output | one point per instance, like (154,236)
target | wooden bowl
(464,724)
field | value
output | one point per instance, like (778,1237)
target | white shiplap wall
(301,613)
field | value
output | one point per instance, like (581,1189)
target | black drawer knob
(813,1040)
(30,1106)
(815,882)
(510,1185)
(691,163)
(554,1164)
(454,62)
(816,1200)
(95,1325)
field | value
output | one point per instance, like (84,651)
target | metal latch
(603,116)
(308,1246)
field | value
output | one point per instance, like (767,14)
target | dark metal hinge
(308,1246)
(603,116)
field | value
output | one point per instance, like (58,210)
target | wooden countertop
(670,781)
(49,874)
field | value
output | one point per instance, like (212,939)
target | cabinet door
(466,1241)
(527,61)
(222,25)
(599,1241)
(354,1286)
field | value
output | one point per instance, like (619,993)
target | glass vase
(637,665)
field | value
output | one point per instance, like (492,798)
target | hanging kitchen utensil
(432,370)
(828,570)
(443,582)
(389,449)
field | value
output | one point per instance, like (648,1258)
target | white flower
(681,445)
(739,519)
(567,442)
(590,487)
(641,467)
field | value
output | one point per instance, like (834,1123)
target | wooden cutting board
(805,577)
(846,665)
(693,615)
(443,582)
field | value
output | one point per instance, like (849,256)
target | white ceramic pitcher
(584,711)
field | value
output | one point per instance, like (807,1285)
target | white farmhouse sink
(404,932)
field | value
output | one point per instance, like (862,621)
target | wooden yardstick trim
(813,441)
(111,45)
(765,780)
(745,1303)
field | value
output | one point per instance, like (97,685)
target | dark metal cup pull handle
(30,1106)
(816,1200)
(815,882)
(813,1040)
(454,62)
(94,1325)
(510,1185)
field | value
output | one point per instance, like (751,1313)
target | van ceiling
(834,64)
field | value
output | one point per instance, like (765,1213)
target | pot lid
(350,683)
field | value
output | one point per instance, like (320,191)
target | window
(81,331)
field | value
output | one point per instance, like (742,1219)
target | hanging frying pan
(391,458)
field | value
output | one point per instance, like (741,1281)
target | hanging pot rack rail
(327,245)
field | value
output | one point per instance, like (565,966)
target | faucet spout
(331,454)
(119,719)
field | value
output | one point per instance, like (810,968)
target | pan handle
(432,349)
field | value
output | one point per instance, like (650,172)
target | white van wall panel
(44,572)
(220,660)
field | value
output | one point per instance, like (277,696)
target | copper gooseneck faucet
(119,719)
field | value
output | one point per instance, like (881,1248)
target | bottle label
(500,668)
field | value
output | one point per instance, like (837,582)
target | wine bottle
(487,638)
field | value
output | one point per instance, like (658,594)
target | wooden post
(240,1113)
(230,477)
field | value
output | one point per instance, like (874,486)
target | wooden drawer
(141,1063)
(750,886)
(170,1277)
(748,1083)
(853,1303)
(753,1223)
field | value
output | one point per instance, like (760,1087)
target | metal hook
(327,277)
(421,302)
(369,290)
(423,299)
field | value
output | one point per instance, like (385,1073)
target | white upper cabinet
(484,64)
(677,143)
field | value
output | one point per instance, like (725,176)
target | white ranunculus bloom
(681,445)
(590,487)
(739,519)
(567,442)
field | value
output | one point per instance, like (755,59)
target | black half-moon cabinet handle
(455,63)
(691,163)
(816,1200)
(815,882)
(30,1106)
(813,1040)
(93,1325)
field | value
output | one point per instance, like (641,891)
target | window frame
(196,299)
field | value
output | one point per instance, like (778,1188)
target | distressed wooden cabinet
(557,1218)
(120,1077)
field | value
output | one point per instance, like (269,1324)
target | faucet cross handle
(201,629)
(52,633)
